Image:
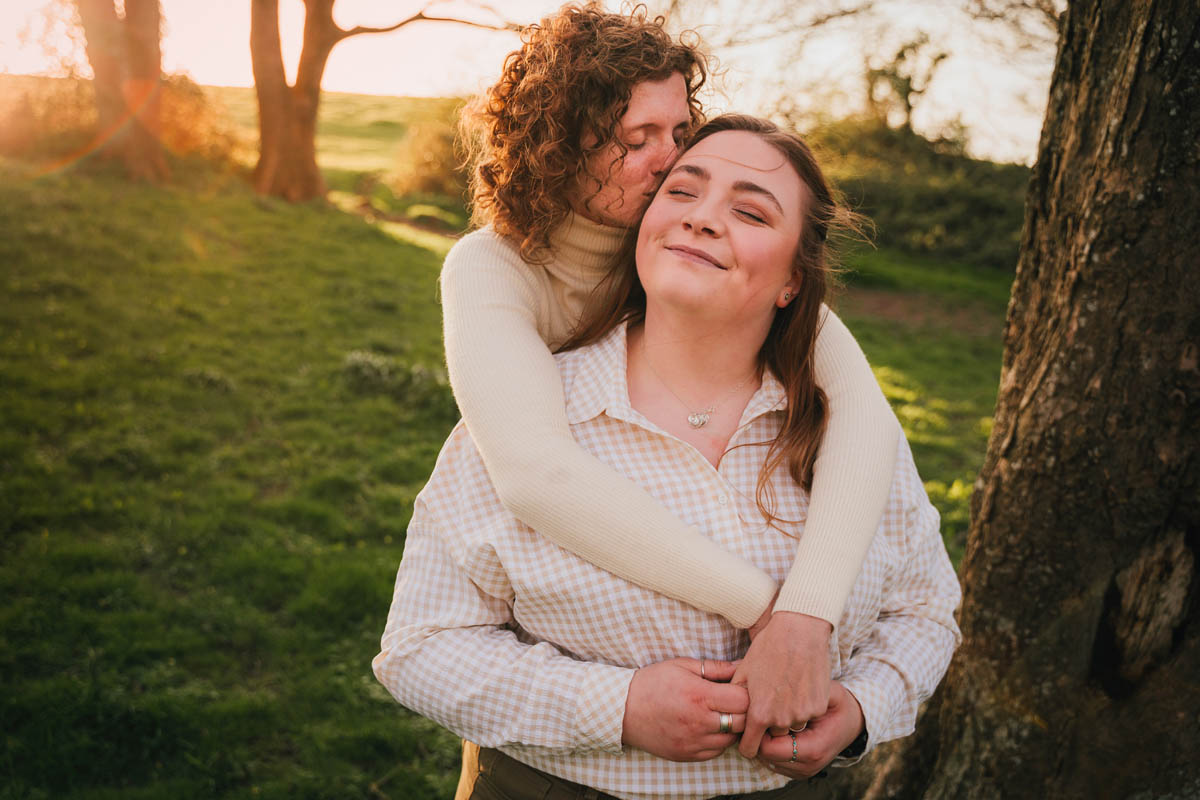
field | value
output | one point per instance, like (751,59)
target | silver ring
(726,724)
(702,669)
(803,725)
(794,758)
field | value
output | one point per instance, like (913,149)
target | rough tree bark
(287,161)
(1079,676)
(126,58)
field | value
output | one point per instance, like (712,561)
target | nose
(668,151)
(701,217)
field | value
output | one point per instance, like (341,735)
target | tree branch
(785,23)
(421,16)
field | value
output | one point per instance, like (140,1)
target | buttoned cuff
(601,710)
(875,698)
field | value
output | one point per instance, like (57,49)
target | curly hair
(558,102)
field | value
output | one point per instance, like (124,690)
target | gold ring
(702,669)
(803,725)
(726,724)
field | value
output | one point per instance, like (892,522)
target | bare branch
(1035,22)
(786,24)
(422,16)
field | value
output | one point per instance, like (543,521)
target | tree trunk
(287,157)
(126,59)
(1079,674)
(106,54)
(144,156)
(287,116)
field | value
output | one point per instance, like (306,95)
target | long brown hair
(789,349)
(571,81)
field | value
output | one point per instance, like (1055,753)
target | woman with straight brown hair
(569,146)
(578,684)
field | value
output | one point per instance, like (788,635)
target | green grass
(933,333)
(204,493)
(356,133)
(217,411)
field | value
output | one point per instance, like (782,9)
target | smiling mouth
(692,254)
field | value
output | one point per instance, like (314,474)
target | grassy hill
(217,411)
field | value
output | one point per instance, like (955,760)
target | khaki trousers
(491,775)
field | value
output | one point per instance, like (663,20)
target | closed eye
(751,215)
(680,193)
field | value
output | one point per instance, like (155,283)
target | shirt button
(723,499)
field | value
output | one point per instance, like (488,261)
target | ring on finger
(702,669)
(726,724)
(803,725)
(795,755)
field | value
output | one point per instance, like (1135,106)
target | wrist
(858,745)
(805,623)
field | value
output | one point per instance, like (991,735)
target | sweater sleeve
(851,478)
(509,391)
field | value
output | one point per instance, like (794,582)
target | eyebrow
(738,186)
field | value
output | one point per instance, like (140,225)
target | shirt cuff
(601,711)
(877,704)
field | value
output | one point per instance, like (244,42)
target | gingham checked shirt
(512,642)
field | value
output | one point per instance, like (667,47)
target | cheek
(636,171)
(645,243)
(777,262)
(657,215)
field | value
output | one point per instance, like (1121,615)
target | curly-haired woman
(570,145)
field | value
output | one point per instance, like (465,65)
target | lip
(696,254)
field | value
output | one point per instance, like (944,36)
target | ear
(787,294)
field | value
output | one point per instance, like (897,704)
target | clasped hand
(674,712)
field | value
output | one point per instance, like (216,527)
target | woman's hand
(820,742)
(673,713)
(786,672)
(763,618)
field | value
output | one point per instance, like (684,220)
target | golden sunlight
(210,43)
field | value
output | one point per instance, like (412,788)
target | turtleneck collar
(583,250)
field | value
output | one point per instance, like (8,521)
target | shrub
(420,388)
(428,160)
(927,197)
(55,119)
(45,117)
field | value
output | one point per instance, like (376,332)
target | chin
(623,218)
(685,297)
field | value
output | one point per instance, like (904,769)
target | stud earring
(787,296)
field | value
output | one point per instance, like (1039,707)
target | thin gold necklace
(697,419)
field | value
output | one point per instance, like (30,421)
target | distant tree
(287,162)
(1077,677)
(1034,22)
(894,87)
(730,24)
(126,59)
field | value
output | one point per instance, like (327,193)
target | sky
(1001,102)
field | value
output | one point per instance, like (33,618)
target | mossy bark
(1079,675)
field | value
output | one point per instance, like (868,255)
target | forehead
(737,156)
(663,102)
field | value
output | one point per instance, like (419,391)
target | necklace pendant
(698,420)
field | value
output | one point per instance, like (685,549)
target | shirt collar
(600,384)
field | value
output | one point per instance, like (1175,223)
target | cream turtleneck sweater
(502,318)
